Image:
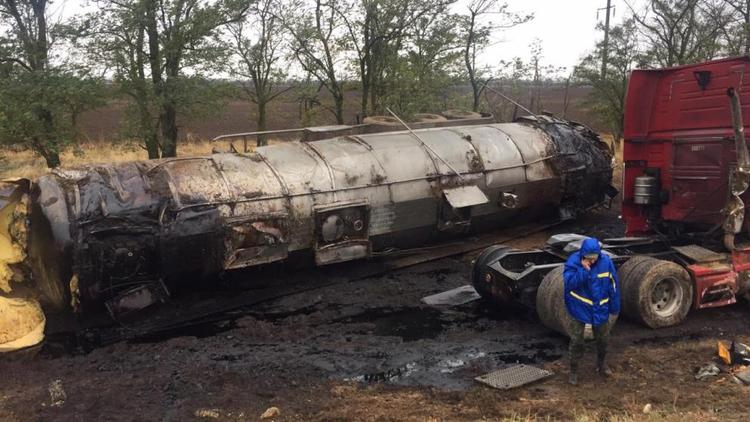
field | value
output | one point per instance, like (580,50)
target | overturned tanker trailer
(124,235)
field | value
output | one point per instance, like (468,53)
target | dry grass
(27,164)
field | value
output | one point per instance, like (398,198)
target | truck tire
(626,269)
(550,302)
(655,292)
(483,280)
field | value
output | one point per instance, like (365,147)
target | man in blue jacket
(592,296)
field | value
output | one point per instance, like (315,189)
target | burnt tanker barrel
(126,234)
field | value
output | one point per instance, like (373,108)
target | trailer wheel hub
(666,297)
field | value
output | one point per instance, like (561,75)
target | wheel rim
(666,297)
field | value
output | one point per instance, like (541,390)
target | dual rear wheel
(654,292)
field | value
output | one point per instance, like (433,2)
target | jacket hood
(590,246)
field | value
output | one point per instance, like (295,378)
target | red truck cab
(678,153)
(678,130)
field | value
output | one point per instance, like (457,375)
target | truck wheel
(550,302)
(484,281)
(627,268)
(655,292)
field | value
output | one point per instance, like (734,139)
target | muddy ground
(371,350)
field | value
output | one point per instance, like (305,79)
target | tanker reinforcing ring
(513,376)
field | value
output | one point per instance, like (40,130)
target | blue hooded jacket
(591,295)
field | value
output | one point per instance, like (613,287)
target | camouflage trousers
(601,338)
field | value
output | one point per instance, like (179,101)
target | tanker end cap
(22,321)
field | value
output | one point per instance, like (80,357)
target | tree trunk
(147,129)
(365,81)
(338,107)
(50,153)
(152,145)
(49,147)
(169,129)
(475,92)
(373,97)
(365,96)
(566,99)
(470,61)
(262,139)
(168,114)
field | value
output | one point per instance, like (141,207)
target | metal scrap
(710,369)
(514,376)
(453,297)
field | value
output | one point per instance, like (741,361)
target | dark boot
(573,378)
(602,368)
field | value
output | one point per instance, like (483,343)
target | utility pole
(605,47)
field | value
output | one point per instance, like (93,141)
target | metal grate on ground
(514,376)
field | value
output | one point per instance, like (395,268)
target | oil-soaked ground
(299,351)
(371,330)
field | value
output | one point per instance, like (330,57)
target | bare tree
(157,48)
(318,46)
(258,47)
(476,36)
(39,101)
(607,99)
(119,43)
(421,78)
(377,30)
(737,33)
(678,31)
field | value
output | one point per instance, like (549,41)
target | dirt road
(371,350)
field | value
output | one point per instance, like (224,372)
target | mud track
(371,350)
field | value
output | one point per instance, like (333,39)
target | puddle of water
(276,315)
(387,376)
(539,356)
(481,309)
(208,329)
(669,339)
(63,344)
(411,324)
(439,272)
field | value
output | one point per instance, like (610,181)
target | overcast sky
(567,28)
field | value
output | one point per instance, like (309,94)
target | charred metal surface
(136,299)
(113,233)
